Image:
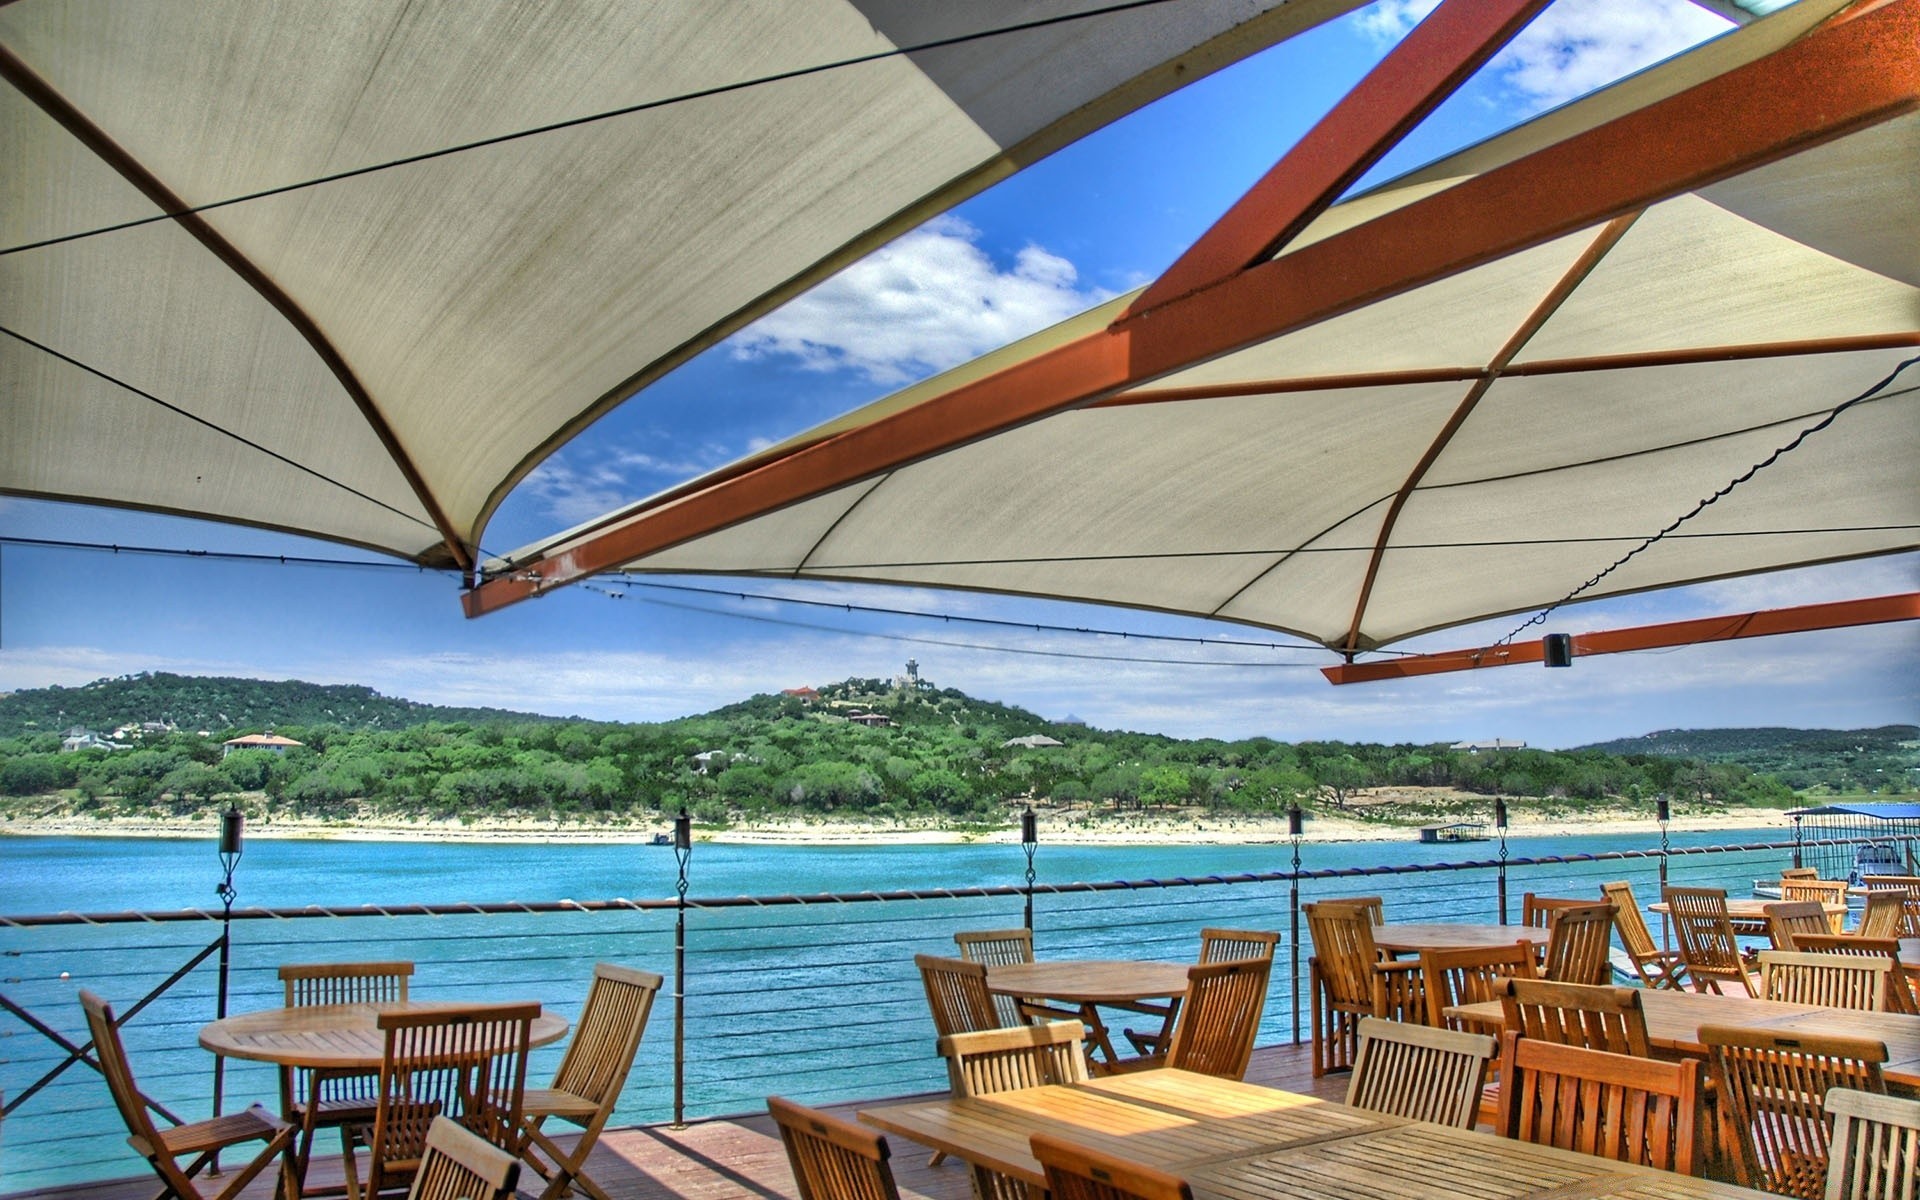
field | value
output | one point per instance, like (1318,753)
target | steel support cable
(1718,495)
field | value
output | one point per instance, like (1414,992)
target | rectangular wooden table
(1674,1020)
(1237,1141)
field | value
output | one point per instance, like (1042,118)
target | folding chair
(590,1078)
(1420,1072)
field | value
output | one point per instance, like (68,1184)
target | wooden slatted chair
(591,1076)
(1829,892)
(1900,997)
(1579,939)
(1573,1014)
(316,1100)
(957,995)
(204,1140)
(1536,912)
(1216,945)
(1349,981)
(1797,873)
(457,1165)
(1002,1060)
(1420,1072)
(1885,915)
(1908,888)
(1468,976)
(1876,1147)
(1235,945)
(1218,1020)
(832,1159)
(1787,919)
(1707,943)
(1076,1172)
(1657,968)
(997,948)
(1773,1090)
(1831,980)
(468,1064)
(1616,1106)
(1374,906)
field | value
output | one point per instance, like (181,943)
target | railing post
(1029,841)
(1500,824)
(1294,822)
(233,825)
(1797,856)
(682,850)
(1662,810)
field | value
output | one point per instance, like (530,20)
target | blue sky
(1101,216)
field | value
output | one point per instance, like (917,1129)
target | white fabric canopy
(1255,487)
(485,305)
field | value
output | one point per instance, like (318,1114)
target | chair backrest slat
(1468,976)
(1420,1072)
(1076,1172)
(1876,1146)
(1594,1017)
(1852,981)
(1628,1109)
(1233,945)
(457,1165)
(957,995)
(832,1159)
(1579,937)
(1220,1017)
(997,948)
(1773,1087)
(1001,1060)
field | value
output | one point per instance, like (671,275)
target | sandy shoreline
(1168,830)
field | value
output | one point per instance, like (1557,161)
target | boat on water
(1875,858)
(660,839)
(1457,831)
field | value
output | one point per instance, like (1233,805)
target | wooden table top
(1412,937)
(1238,1141)
(1751,909)
(1674,1020)
(1089,981)
(329,1035)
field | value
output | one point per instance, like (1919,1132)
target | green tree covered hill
(1832,760)
(860,748)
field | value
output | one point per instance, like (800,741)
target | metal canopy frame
(1228,291)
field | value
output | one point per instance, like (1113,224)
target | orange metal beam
(1833,81)
(1430,63)
(1803,619)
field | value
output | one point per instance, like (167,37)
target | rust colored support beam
(49,100)
(1805,618)
(1832,82)
(1430,63)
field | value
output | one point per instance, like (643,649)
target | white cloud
(581,482)
(1575,46)
(931,300)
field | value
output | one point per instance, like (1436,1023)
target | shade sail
(1482,440)
(377,360)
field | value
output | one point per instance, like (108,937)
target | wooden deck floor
(736,1159)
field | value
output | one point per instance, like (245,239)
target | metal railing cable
(813,990)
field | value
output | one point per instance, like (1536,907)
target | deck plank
(736,1158)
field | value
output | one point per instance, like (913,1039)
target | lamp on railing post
(1295,820)
(682,851)
(233,825)
(1029,842)
(1797,849)
(1500,824)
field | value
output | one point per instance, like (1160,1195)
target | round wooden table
(1091,984)
(1411,938)
(339,1037)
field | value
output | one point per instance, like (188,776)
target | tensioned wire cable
(595,118)
(1718,495)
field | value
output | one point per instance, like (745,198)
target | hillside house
(258,741)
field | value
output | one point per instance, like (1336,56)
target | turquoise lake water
(819,1002)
